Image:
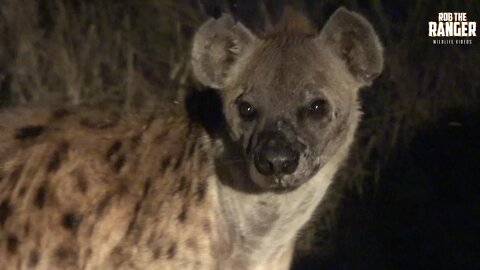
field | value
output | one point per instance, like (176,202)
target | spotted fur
(114,195)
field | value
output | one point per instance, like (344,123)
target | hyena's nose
(276,156)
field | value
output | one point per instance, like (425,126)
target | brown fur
(62,211)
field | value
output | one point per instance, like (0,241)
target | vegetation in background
(134,54)
(127,52)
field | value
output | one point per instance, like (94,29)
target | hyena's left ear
(353,39)
(216,46)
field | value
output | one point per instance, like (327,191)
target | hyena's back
(98,190)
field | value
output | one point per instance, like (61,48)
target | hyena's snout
(275,154)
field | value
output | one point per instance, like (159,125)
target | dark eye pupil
(246,110)
(318,106)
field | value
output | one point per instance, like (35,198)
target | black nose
(276,156)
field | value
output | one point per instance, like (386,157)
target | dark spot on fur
(138,206)
(29,132)
(54,163)
(82,183)
(71,221)
(132,223)
(103,204)
(56,159)
(182,184)
(316,167)
(146,187)
(182,217)
(191,149)
(204,158)
(178,163)
(40,197)
(135,141)
(88,254)
(60,113)
(5,211)
(33,258)
(65,256)
(157,252)
(26,229)
(12,244)
(15,175)
(113,149)
(118,165)
(172,250)
(201,190)
(165,164)
(180,159)
(22,192)
(117,258)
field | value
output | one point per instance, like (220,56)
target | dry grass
(92,52)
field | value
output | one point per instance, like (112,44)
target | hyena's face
(288,110)
(290,97)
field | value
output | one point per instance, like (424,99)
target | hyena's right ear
(216,46)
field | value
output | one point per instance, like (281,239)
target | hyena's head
(289,97)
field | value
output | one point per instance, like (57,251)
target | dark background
(408,197)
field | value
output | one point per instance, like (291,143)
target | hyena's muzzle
(277,151)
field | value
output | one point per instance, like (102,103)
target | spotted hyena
(226,185)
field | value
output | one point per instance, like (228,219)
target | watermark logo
(452,28)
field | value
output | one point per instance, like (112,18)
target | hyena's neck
(261,226)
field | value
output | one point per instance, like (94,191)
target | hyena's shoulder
(78,186)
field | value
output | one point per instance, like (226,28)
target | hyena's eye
(246,111)
(318,108)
